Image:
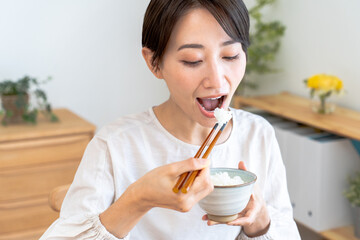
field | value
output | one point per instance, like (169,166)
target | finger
(247,219)
(209,222)
(212,223)
(202,185)
(242,221)
(242,166)
(187,165)
(248,215)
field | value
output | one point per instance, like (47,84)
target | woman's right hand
(155,187)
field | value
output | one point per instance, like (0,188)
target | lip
(211,114)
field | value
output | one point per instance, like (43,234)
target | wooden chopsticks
(186,179)
(184,176)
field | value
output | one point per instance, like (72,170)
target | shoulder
(244,119)
(252,128)
(129,124)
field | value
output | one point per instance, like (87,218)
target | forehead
(197,26)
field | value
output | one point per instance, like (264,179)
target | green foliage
(22,88)
(30,116)
(353,192)
(265,43)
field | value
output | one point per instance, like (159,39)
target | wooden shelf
(342,233)
(343,122)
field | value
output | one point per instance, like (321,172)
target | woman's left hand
(254,219)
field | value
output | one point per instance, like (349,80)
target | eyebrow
(228,43)
(192,45)
(199,46)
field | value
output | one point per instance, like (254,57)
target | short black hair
(162,15)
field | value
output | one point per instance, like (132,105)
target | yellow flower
(313,82)
(339,85)
(323,83)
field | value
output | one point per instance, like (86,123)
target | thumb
(242,166)
(190,164)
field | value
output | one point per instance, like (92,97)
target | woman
(123,187)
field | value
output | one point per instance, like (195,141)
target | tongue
(209,104)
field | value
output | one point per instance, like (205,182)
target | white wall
(322,36)
(92,49)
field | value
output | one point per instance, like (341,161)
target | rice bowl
(226,201)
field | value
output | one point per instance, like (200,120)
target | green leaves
(312,92)
(40,94)
(31,116)
(8,87)
(353,192)
(265,43)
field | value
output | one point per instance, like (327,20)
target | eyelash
(194,64)
(191,64)
(232,58)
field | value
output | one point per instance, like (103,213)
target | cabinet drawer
(28,215)
(33,234)
(45,150)
(35,181)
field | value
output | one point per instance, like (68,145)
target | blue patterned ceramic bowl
(225,202)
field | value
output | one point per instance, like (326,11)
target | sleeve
(91,192)
(276,196)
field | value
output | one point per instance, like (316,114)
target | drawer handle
(43,142)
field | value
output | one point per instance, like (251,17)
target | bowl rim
(237,185)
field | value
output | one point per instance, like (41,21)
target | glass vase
(322,106)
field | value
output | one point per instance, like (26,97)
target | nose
(214,76)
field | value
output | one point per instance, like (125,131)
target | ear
(147,54)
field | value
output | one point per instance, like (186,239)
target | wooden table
(34,159)
(343,122)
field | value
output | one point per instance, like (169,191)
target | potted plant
(353,195)
(15,101)
(265,38)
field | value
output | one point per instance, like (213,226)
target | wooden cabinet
(34,159)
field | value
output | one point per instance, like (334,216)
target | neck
(178,124)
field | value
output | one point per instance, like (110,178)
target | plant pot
(14,107)
(356,217)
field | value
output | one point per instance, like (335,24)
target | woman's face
(202,67)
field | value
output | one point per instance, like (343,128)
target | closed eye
(191,64)
(232,57)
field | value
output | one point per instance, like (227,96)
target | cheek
(239,72)
(235,74)
(179,79)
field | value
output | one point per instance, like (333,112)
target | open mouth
(210,104)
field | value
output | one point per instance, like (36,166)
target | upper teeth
(215,98)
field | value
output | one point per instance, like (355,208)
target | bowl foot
(222,219)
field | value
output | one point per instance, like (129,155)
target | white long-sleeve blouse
(128,148)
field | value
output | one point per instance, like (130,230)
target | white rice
(223,179)
(222,116)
